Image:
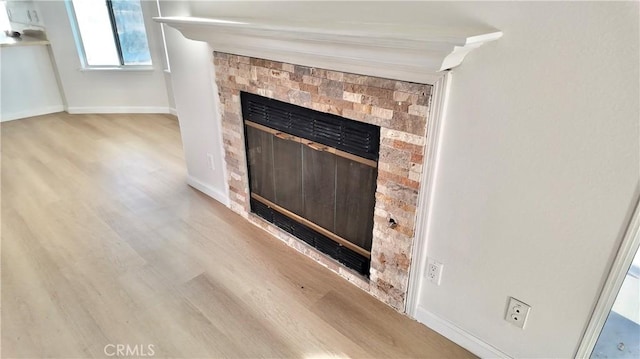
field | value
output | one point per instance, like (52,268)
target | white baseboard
(218,195)
(173,111)
(118,109)
(458,335)
(31,113)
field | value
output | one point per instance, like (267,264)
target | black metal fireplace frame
(323,132)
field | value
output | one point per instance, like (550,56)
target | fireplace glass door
(321,193)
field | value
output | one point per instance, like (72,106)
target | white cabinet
(24,13)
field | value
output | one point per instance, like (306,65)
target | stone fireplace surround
(401,110)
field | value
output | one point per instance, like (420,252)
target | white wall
(539,160)
(28,85)
(169,86)
(194,93)
(105,91)
(540,168)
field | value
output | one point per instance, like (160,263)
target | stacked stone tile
(399,108)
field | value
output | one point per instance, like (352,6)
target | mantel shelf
(400,52)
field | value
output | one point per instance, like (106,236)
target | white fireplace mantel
(409,53)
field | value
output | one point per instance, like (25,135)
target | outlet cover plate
(433,271)
(211,162)
(517,312)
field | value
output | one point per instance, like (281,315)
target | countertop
(24,40)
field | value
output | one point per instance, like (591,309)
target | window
(110,33)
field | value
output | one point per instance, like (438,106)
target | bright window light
(111,32)
(4,18)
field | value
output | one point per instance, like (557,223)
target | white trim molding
(428,181)
(218,195)
(217,109)
(458,335)
(627,251)
(415,54)
(118,109)
(31,113)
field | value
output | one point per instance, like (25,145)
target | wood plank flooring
(104,243)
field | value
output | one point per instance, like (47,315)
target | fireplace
(370,72)
(393,113)
(313,175)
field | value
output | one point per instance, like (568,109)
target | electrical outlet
(434,271)
(211,162)
(517,312)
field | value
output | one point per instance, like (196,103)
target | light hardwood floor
(104,243)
